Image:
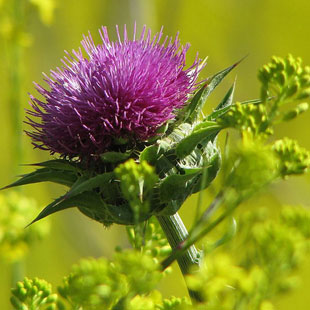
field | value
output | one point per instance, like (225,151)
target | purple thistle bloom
(122,90)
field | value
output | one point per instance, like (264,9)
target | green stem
(176,234)
(198,232)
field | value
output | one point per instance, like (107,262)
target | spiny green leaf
(164,166)
(207,174)
(188,144)
(220,111)
(57,205)
(87,184)
(224,105)
(122,214)
(217,113)
(192,110)
(44,175)
(204,124)
(228,98)
(86,200)
(171,207)
(58,164)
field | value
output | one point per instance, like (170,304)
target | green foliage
(265,269)
(300,108)
(133,184)
(141,270)
(136,183)
(175,303)
(124,283)
(93,284)
(249,119)
(33,294)
(16,212)
(244,176)
(293,159)
(298,218)
(150,240)
(277,246)
(285,78)
(284,81)
(272,251)
(192,111)
(255,122)
(255,161)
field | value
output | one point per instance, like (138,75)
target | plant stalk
(176,234)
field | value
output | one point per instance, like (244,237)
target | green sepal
(189,143)
(114,157)
(192,110)
(46,175)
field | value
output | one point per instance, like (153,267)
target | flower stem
(176,234)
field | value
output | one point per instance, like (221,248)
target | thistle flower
(122,90)
(114,104)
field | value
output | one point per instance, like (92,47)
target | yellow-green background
(224,30)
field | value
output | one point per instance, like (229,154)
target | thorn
(238,62)
(30,223)
(35,164)
(5,187)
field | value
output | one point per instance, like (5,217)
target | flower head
(117,90)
